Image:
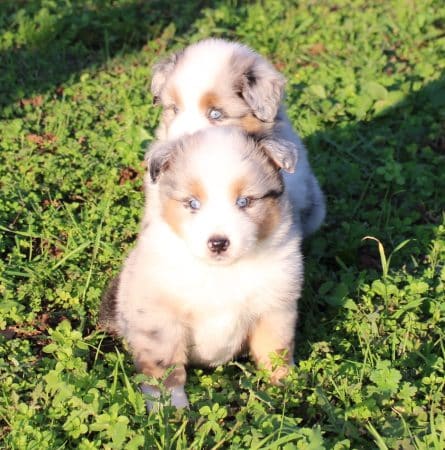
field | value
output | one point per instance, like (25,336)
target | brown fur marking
(157,361)
(265,339)
(197,190)
(265,212)
(269,217)
(148,367)
(251,124)
(173,214)
(177,377)
(209,100)
(237,188)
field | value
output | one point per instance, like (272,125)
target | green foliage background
(366,91)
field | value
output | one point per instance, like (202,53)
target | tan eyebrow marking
(209,100)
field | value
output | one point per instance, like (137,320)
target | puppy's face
(215,82)
(219,192)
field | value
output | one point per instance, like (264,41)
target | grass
(366,90)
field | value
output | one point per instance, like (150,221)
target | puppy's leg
(158,346)
(273,333)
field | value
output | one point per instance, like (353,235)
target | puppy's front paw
(178,397)
(152,395)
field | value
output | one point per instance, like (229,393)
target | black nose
(218,244)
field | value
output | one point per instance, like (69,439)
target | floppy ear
(158,157)
(262,89)
(160,74)
(283,153)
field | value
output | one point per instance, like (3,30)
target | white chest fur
(216,303)
(216,338)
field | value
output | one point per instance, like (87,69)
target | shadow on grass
(382,178)
(51,44)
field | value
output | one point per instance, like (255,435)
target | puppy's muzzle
(218,244)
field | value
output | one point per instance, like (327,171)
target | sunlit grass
(365,90)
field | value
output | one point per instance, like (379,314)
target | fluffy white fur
(234,80)
(177,301)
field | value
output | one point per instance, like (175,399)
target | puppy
(218,268)
(217,82)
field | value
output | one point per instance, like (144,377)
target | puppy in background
(216,82)
(217,269)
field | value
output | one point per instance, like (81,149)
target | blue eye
(242,202)
(215,114)
(194,204)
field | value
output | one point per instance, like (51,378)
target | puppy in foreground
(218,269)
(216,82)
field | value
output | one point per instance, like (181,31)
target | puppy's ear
(283,153)
(158,157)
(262,89)
(161,73)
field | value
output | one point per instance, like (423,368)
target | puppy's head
(220,192)
(216,82)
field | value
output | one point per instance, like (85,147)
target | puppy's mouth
(222,259)
(219,258)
